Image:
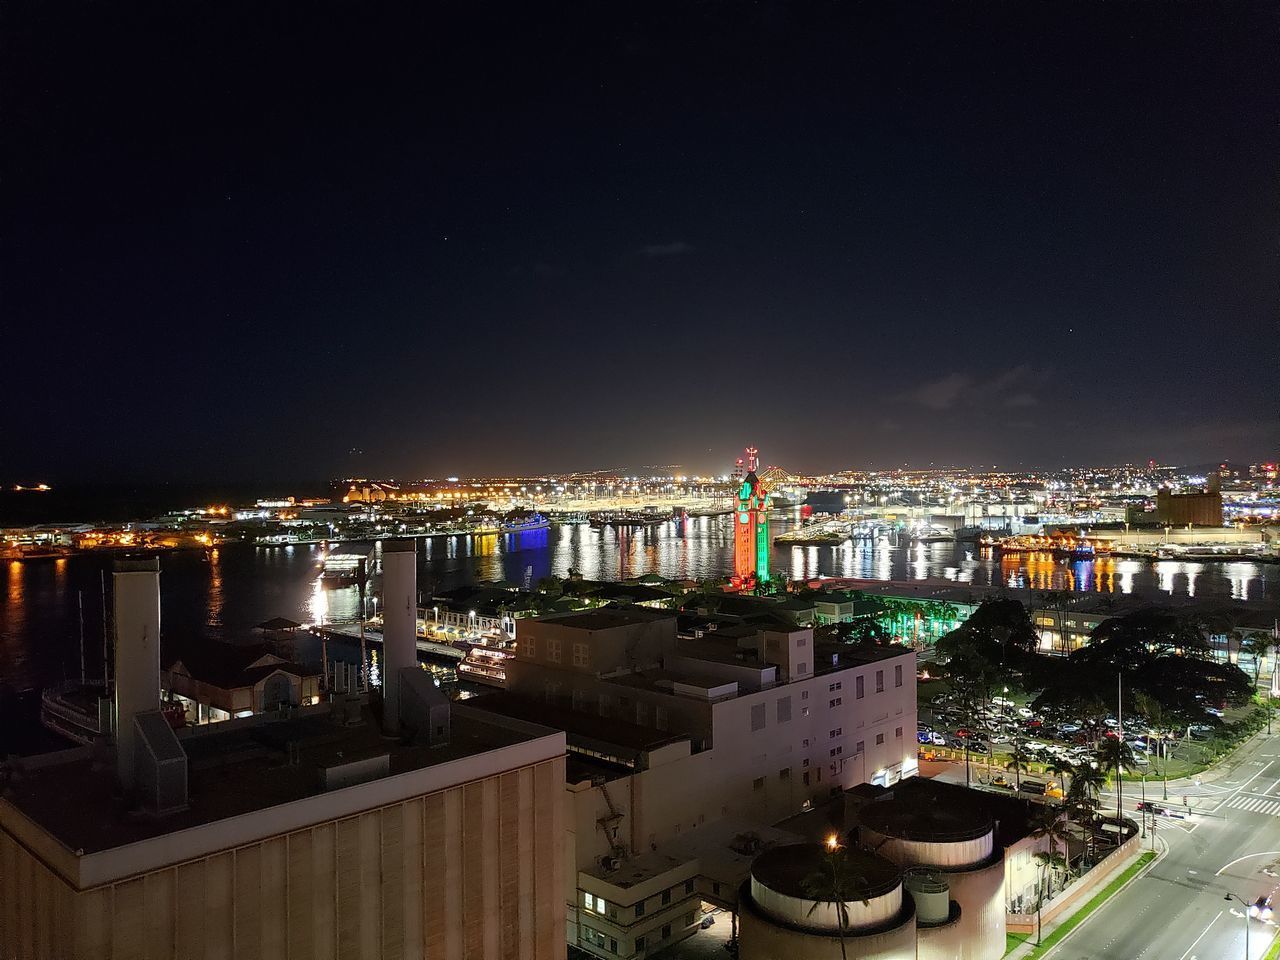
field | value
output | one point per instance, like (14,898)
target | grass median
(1098,899)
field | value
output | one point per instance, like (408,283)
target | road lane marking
(1251,804)
(1199,938)
(1247,856)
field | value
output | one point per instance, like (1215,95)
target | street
(1229,845)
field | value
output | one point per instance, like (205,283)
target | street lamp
(1257,909)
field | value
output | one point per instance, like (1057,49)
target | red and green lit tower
(750,527)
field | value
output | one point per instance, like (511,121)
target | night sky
(249,240)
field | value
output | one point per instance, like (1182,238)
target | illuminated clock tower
(750,527)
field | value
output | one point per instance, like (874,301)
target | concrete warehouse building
(310,836)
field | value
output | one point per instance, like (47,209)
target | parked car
(1001,781)
(1026,713)
(937,739)
(1069,728)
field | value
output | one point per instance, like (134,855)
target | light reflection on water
(225,593)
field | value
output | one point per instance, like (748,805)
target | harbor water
(46,605)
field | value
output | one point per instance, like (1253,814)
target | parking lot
(990,731)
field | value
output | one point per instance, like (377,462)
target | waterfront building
(1197,508)
(311,835)
(681,747)
(218,681)
(751,528)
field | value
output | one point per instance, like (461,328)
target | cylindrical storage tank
(916,834)
(979,891)
(931,893)
(780,919)
(399,622)
(958,841)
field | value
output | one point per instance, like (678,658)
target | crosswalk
(1270,808)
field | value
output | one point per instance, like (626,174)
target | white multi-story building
(670,739)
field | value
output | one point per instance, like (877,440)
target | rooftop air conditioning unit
(610,863)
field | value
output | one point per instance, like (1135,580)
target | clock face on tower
(745,492)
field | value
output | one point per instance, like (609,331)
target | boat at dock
(487,665)
(530,523)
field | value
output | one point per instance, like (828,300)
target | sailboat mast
(106,658)
(80,608)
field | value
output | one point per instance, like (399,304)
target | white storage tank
(779,917)
(931,893)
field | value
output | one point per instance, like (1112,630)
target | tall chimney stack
(135,605)
(399,623)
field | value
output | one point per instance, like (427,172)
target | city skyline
(431,244)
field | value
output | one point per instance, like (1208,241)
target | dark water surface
(223,593)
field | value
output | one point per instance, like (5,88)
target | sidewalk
(1088,908)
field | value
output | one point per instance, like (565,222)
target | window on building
(860,748)
(688,886)
(879,739)
(806,776)
(553,650)
(589,901)
(613,945)
(784,773)
(897,675)
(837,732)
(666,931)
(640,909)
(639,944)
(832,688)
(802,667)
(879,681)
(528,646)
(757,717)
(666,897)
(804,694)
(802,641)
(836,702)
(857,684)
(757,783)
(688,921)
(897,732)
(784,709)
(715,887)
(804,762)
(836,751)
(579,654)
(804,711)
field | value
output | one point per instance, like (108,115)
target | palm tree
(1019,763)
(1059,601)
(1061,768)
(1256,645)
(1116,757)
(1082,800)
(1049,863)
(834,884)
